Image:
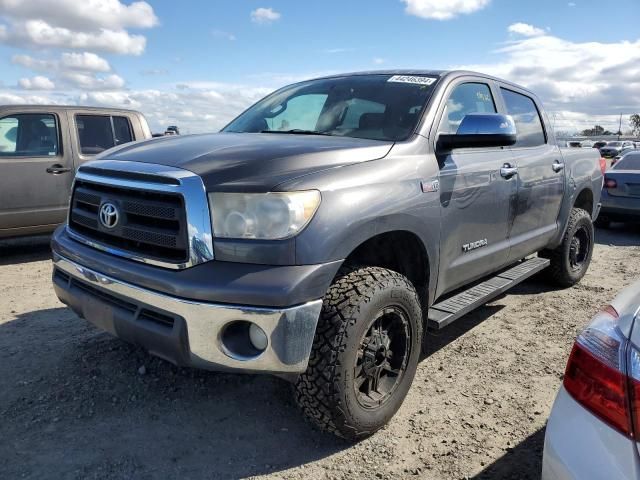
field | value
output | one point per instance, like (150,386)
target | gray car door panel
(476,200)
(540,180)
(37,179)
(540,191)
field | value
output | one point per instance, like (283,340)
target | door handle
(557,166)
(507,171)
(57,169)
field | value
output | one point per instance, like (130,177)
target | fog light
(258,337)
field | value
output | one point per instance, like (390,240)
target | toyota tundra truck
(322,232)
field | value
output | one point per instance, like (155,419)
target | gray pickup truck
(324,230)
(40,148)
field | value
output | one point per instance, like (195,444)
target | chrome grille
(162,213)
(151,224)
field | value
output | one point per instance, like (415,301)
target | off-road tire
(560,271)
(326,391)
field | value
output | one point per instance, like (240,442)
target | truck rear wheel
(365,353)
(571,259)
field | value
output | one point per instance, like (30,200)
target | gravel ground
(77,403)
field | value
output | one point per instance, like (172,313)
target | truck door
(540,177)
(474,196)
(36,172)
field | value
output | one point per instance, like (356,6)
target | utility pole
(620,127)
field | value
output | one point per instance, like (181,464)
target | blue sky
(198,63)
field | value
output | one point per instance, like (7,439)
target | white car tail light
(596,374)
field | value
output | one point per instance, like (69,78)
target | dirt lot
(76,403)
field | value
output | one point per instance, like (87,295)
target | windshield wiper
(298,131)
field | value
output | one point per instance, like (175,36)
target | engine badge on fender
(429,187)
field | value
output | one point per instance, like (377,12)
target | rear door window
(29,135)
(527,118)
(97,133)
(122,130)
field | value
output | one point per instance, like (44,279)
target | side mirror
(480,130)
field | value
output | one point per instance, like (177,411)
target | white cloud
(74,70)
(36,83)
(222,34)
(264,15)
(554,69)
(154,71)
(86,81)
(196,107)
(77,24)
(332,51)
(34,63)
(8,98)
(379,61)
(41,34)
(525,30)
(84,61)
(443,9)
(82,15)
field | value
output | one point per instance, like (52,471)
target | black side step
(443,313)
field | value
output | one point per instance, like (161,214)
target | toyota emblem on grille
(109,215)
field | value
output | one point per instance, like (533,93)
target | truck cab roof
(450,74)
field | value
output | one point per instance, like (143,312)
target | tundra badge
(467,247)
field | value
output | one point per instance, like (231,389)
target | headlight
(265,216)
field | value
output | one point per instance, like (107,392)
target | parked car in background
(621,191)
(40,148)
(326,228)
(622,153)
(599,144)
(592,429)
(586,144)
(174,129)
(611,149)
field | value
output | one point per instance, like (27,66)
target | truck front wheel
(364,354)
(571,259)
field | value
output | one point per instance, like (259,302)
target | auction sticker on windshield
(412,79)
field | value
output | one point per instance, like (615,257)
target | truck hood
(250,161)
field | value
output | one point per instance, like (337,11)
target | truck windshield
(377,107)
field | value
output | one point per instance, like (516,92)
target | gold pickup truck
(40,149)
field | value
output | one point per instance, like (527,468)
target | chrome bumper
(290,331)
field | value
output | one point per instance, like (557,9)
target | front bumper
(187,332)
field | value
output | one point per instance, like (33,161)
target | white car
(594,426)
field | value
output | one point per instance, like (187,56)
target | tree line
(598,130)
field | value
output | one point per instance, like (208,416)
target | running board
(443,313)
